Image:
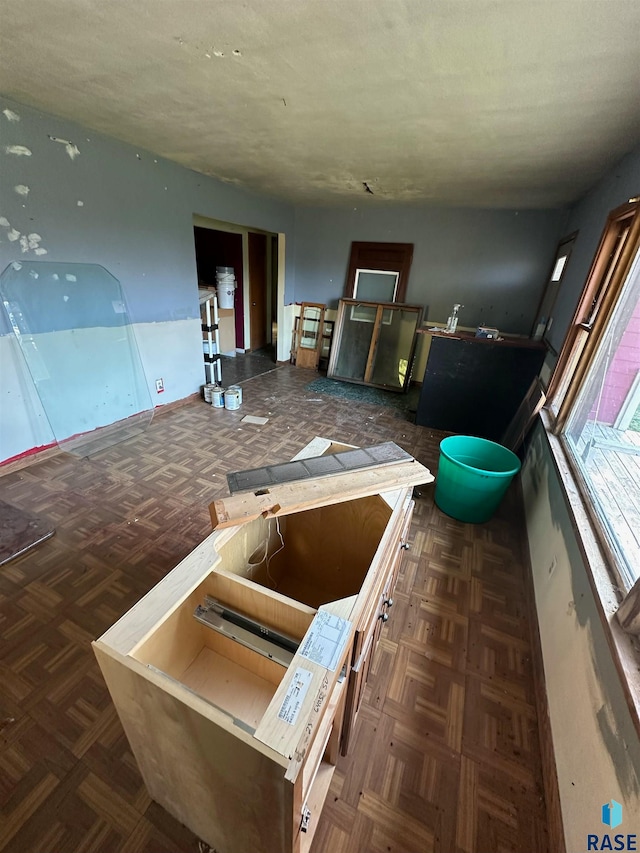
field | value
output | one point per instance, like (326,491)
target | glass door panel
(374,343)
(354,343)
(392,361)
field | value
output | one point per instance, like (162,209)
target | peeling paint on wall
(31,241)
(21,189)
(10,115)
(18,150)
(70,147)
(28,242)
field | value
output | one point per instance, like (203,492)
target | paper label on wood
(325,640)
(294,696)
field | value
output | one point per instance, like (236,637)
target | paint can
(237,388)
(206,391)
(231,399)
(226,294)
(226,286)
(217,398)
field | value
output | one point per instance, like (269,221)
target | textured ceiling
(463,102)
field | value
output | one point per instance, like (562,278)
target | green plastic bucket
(473,475)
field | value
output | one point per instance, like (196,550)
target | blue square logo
(612,814)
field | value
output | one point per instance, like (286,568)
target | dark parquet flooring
(446,754)
(236,370)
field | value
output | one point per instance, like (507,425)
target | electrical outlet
(159,386)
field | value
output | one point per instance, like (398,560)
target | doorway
(215,248)
(257,258)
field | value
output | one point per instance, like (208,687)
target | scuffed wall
(494,262)
(596,745)
(70,195)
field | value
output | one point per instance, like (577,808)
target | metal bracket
(246,631)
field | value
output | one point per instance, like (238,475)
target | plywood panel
(229,686)
(189,764)
(295,497)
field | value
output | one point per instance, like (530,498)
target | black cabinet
(473,386)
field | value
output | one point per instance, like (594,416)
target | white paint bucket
(206,391)
(231,399)
(225,295)
(217,398)
(237,388)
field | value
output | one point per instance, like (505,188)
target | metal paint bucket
(237,388)
(231,399)
(206,391)
(217,398)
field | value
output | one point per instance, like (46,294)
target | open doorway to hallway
(247,331)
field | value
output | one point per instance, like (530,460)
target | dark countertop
(503,340)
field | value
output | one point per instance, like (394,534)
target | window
(595,391)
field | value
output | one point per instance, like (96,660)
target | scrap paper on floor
(252,419)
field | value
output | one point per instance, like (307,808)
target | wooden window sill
(624,647)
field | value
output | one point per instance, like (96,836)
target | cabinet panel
(474,386)
(368,632)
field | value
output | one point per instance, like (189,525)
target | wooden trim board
(287,498)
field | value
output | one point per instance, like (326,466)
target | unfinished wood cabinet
(236,729)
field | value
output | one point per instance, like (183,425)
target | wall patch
(70,147)
(18,150)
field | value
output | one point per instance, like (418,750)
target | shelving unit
(212,368)
(311,337)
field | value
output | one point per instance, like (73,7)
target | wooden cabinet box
(235,742)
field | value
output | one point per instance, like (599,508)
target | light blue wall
(117,206)
(494,262)
(129,211)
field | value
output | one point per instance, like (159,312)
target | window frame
(612,263)
(619,243)
(609,271)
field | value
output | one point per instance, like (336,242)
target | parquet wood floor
(446,755)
